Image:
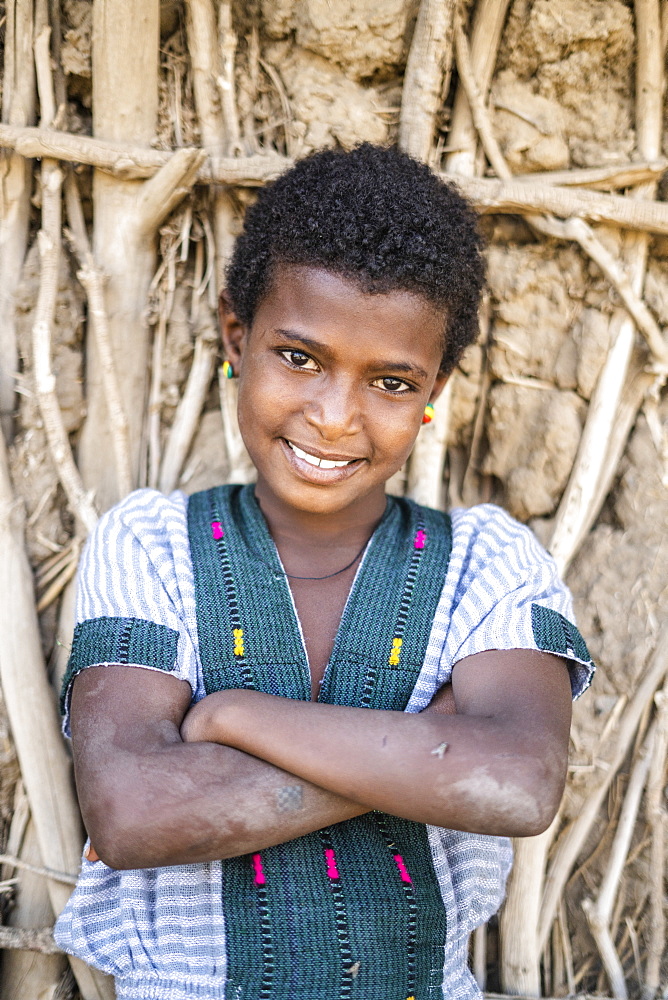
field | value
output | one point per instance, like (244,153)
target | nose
(335,411)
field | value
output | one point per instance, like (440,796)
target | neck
(303,530)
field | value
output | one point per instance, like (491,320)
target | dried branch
(29,939)
(524,198)
(189,410)
(162,193)
(241,468)
(225,80)
(572,841)
(425,471)
(599,913)
(485,39)
(656,817)
(45,382)
(620,175)
(18,108)
(14,862)
(578,504)
(92,280)
(429,62)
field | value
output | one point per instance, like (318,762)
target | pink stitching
(403,871)
(258,876)
(420,539)
(217,529)
(332,870)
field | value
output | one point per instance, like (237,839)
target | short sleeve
(132,579)
(506,593)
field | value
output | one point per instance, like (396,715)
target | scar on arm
(289,798)
(439,751)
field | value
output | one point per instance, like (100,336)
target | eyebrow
(400,367)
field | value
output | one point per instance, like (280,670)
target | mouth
(319,468)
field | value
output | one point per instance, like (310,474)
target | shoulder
(486,538)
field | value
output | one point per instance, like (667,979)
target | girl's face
(332,387)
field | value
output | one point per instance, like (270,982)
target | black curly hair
(376,217)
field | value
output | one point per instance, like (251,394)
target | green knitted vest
(355,910)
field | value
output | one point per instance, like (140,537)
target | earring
(228,370)
(428,415)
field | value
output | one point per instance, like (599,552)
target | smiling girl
(349,699)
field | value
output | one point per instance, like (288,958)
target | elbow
(542,786)
(118,831)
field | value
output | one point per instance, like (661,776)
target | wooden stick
(517,198)
(58,585)
(92,280)
(18,107)
(29,939)
(425,471)
(189,409)
(429,62)
(241,468)
(572,841)
(621,175)
(45,382)
(599,913)
(128,162)
(15,862)
(162,193)
(480,955)
(572,229)
(226,83)
(578,504)
(656,817)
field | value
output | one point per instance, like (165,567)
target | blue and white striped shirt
(161,932)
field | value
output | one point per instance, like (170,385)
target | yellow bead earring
(228,370)
(428,414)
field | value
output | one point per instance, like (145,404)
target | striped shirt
(161,932)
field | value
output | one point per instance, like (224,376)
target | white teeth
(322,463)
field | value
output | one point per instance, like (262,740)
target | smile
(321,463)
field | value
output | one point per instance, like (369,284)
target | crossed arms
(161,783)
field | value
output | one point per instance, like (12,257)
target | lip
(315,474)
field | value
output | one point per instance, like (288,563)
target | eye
(299,360)
(395,385)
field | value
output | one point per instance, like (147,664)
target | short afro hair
(375,216)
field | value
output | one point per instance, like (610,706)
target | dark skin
(342,376)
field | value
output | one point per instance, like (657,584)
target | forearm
(463,772)
(189,803)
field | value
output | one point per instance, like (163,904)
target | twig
(620,175)
(571,843)
(45,382)
(14,862)
(225,80)
(163,192)
(523,198)
(572,229)
(128,162)
(429,62)
(579,502)
(656,817)
(92,280)
(241,468)
(425,471)
(29,939)
(188,411)
(599,913)
(58,585)
(485,39)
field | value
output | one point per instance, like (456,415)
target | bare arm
(148,799)
(498,766)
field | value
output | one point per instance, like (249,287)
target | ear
(439,385)
(234,334)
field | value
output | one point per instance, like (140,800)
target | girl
(349,699)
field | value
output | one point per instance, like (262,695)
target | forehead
(326,304)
